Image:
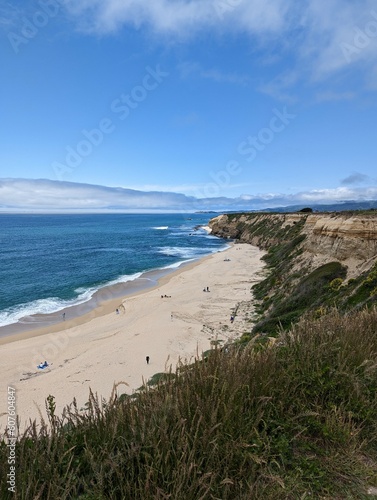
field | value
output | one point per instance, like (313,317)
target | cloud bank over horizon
(42,195)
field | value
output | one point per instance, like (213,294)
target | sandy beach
(171,322)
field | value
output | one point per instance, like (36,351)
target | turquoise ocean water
(51,262)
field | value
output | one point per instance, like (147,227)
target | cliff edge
(347,238)
(314,262)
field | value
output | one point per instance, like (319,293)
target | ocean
(52,262)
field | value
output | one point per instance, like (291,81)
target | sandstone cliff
(347,238)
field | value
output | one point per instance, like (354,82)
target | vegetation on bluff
(291,289)
(289,421)
(265,230)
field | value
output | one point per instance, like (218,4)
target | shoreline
(103,300)
(171,322)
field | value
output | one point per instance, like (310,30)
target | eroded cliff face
(257,229)
(342,237)
(348,238)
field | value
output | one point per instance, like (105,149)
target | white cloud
(53,196)
(197,190)
(315,30)
(179,17)
(318,37)
(104,16)
(337,35)
(338,194)
(315,38)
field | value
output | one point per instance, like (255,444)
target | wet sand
(102,301)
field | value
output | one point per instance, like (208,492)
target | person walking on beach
(147,360)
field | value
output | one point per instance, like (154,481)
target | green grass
(366,291)
(265,229)
(312,291)
(291,421)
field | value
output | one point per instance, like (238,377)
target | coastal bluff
(349,238)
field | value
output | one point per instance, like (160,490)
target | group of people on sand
(166,296)
(206,289)
(41,366)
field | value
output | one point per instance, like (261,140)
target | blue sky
(255,103)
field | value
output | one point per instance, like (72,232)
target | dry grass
(290,421)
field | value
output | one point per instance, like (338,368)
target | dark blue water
(49,262)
